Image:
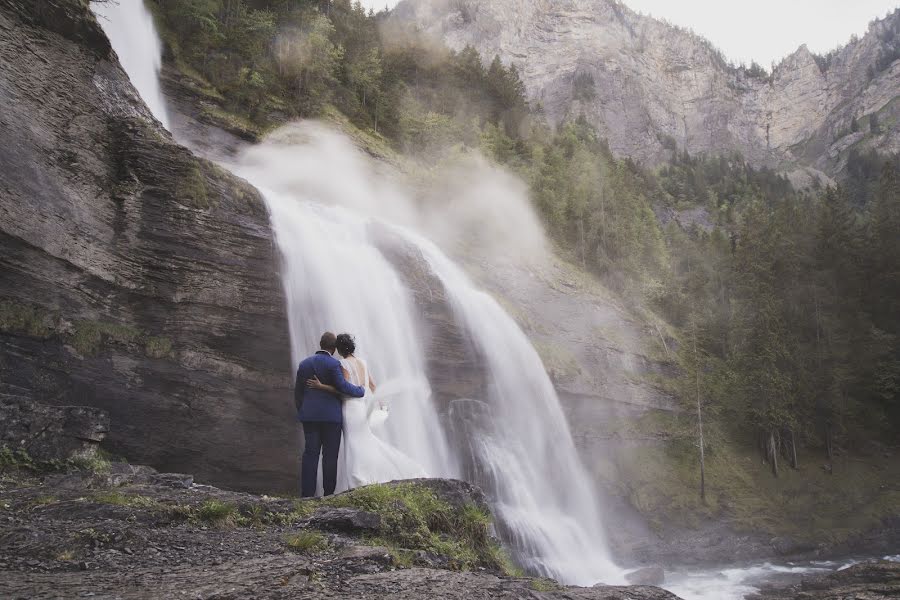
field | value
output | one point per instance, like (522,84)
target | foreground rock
(134,278)
(866,581)
(130,532)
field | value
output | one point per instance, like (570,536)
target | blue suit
(322,418)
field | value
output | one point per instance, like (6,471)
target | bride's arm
(315,384)
(371,383)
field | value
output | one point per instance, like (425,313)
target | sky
(760,30)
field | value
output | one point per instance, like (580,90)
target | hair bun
(345,344)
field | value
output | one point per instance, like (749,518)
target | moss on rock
(414,518)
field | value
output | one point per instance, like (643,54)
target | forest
(781,307)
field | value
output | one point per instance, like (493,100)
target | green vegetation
(117,498)
(158,347)
(544,585)
(20,318)
(414,518)
(19,460)
(806,504)
(216,512)
(87,337)
(306,541)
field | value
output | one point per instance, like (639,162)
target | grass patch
(21,318)
(190,188)
(66,555)
(414,518)
(544,585)
(306,542)
(216,512)
(90,336)
(19,460)
(44,500)
(237,124)
(158,347)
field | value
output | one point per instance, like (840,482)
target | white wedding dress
(365,458)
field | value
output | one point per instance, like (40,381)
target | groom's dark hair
(328,342)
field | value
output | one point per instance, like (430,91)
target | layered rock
(134,277)
(49,433)
(650,87)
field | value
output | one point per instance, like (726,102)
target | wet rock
(178,480)
(137,279)
(647,576)
(345,520)
(875,580)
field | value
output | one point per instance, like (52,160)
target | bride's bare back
(356,371)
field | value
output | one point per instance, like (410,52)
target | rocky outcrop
(50,433)
(134,278)
(649,86)
(128,532)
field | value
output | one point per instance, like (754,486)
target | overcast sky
(760,30)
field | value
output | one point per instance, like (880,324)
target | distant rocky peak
(655,82)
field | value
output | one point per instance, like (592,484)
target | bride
(367,459)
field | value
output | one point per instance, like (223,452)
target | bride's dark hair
(345,344)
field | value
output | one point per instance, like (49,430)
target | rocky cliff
(650,87)
(134,277)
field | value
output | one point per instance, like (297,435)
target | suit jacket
(319,406)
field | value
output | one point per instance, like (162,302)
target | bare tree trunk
(700,421)
(793,438)
(583,246)
(773,452)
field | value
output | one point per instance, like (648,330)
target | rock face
(648,86)
(134,277)
(49,433)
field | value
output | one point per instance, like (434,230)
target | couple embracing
(334,399)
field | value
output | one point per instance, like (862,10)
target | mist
(464,204)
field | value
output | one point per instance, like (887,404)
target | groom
(321,415)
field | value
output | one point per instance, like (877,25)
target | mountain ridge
(651,87)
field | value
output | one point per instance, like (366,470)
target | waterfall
(326,200)
(130,29)
(541,491)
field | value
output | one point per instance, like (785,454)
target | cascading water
(542,493)
(335,277)
(130,29)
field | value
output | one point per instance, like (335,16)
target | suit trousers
(320,439)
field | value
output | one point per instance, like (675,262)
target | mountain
(650,87)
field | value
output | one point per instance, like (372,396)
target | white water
(336,277)
(130,29)
(522,444)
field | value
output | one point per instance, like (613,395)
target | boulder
(647,576)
